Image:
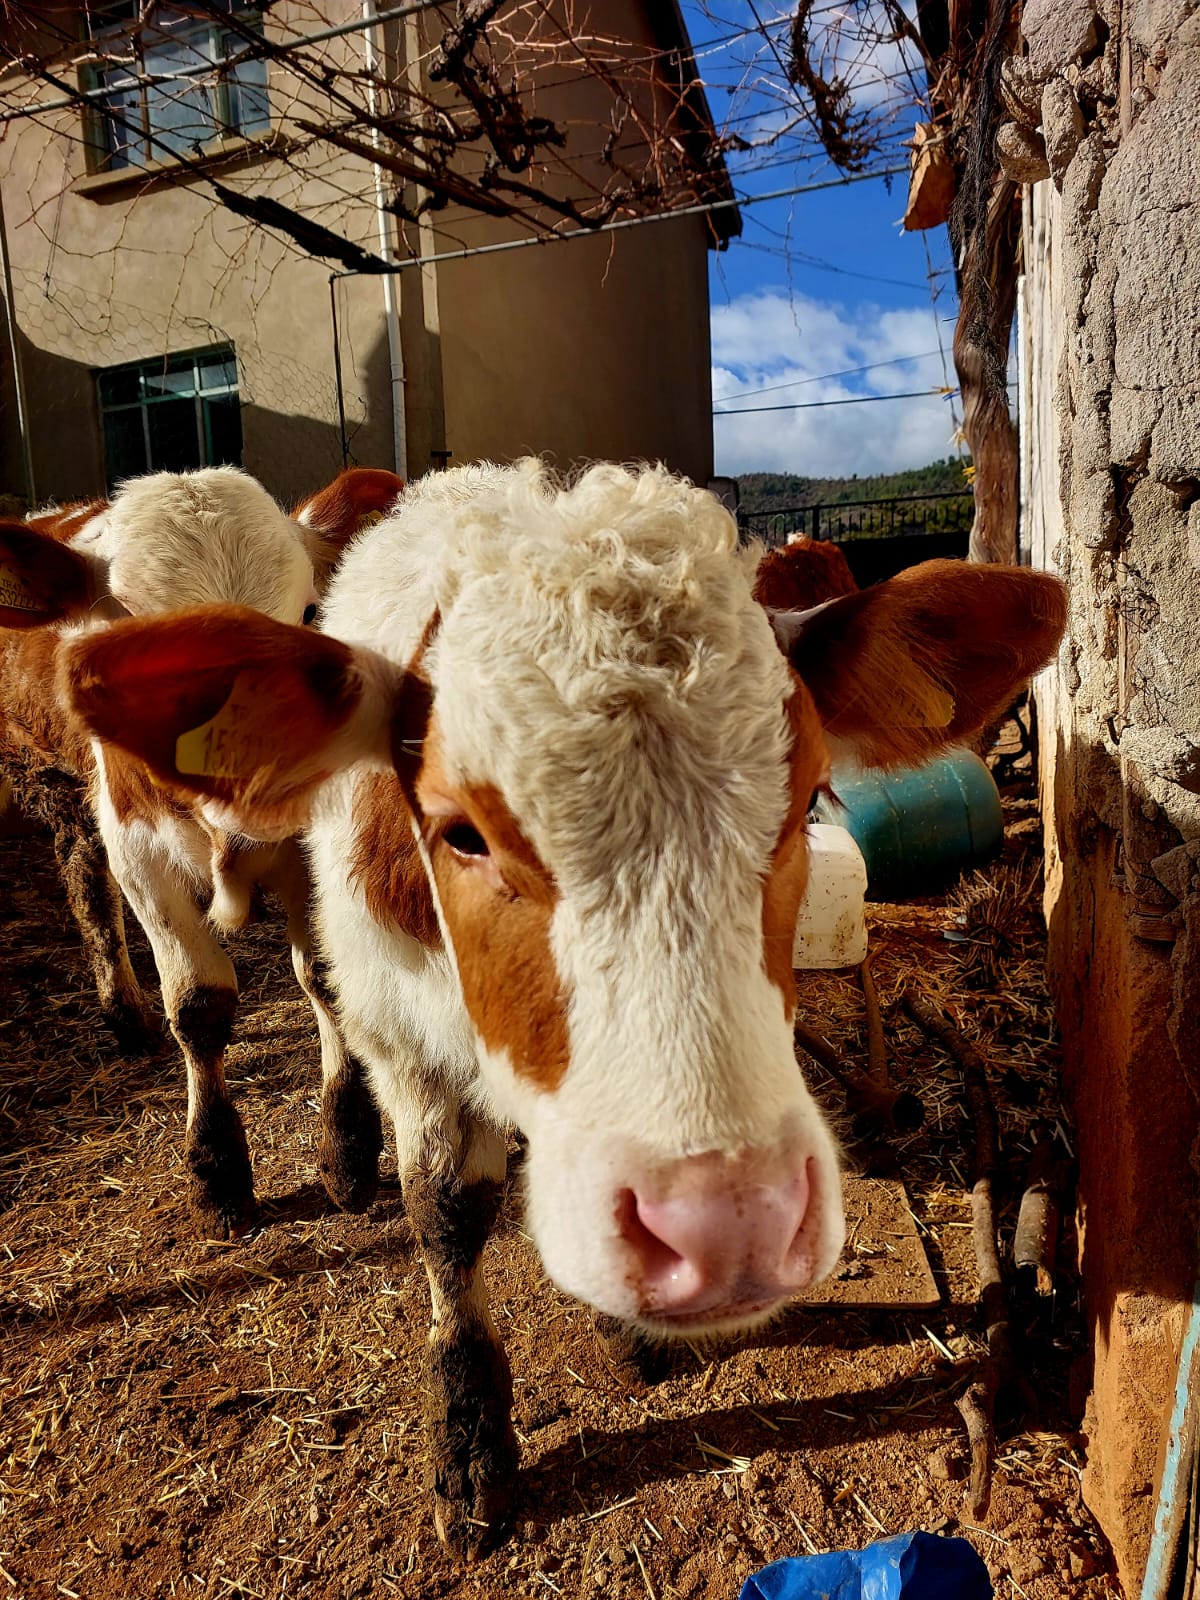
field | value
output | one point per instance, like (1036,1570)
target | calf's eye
(465,840)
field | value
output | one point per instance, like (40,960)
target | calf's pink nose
(706,1242)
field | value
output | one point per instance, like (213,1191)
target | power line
(851,400)
(846,372)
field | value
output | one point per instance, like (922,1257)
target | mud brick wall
(1109,367)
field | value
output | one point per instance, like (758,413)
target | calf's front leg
(452,1167)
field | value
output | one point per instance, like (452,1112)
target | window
(171,414)
(192,101)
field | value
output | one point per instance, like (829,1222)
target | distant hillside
(770,491)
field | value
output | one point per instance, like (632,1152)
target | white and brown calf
(555,763)
(168,540)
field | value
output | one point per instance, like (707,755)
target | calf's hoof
(221,1181)
(473,1497)
(351,1143)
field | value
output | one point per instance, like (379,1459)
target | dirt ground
(181,1417)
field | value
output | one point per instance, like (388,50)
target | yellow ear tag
(940,709)
(369,521)
(225,746)
(16,594)
(920,704)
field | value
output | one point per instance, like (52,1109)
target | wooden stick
(896,1108)
(876,1049)
(1037,1223)
(977,1405)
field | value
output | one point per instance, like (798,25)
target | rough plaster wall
(1112,362)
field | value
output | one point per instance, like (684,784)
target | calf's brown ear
(41,580)
(353,501)
(226,703)
(900,670)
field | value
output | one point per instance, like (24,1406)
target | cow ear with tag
(353,502)
(900,670)
(227,704)
(41,580)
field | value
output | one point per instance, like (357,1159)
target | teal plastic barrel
(919,828)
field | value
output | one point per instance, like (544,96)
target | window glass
(179,113)
(133,124)
(120,387)
(177,377)
(171,415)
(223,424)
(124,445)
(175,443)
(218,369)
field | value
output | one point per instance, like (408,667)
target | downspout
(391,304)
(14,348)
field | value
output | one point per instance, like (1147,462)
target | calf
(169,540)
(556,763)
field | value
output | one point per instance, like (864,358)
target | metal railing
(863,519)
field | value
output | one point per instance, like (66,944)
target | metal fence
(863,519)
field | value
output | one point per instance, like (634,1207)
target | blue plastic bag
(913,1566)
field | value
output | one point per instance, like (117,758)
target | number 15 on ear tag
(225,746)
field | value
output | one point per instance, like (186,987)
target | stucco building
(159,328)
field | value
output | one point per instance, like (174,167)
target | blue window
(171,414)
(193,98)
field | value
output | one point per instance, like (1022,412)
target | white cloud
(763,340)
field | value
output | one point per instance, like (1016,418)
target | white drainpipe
(391,303)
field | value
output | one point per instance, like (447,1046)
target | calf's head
(606,759)
(175,539)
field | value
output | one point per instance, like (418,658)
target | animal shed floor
(180,1417)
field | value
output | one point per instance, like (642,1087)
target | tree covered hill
(771,491)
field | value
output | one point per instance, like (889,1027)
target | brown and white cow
(555,764)
(168,540)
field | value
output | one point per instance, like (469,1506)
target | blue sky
(819,283)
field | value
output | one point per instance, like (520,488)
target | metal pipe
(337,368)
(1183,1446)
(10,315)
(469,252)
(387,249)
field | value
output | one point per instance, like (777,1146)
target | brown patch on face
(498,909)
(788,872)
(386,864)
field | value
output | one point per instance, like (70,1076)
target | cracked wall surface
(1110,393)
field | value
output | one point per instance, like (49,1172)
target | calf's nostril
(655,1256)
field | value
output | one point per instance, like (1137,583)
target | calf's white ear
(226,703)
(42,580)
(902,669)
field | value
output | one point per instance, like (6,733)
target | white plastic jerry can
(831,930)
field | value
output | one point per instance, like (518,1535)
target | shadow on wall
(293,455)
(64,427)
(1135,1096)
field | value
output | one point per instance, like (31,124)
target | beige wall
(597,348)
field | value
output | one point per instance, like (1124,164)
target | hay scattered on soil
(180,1417)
